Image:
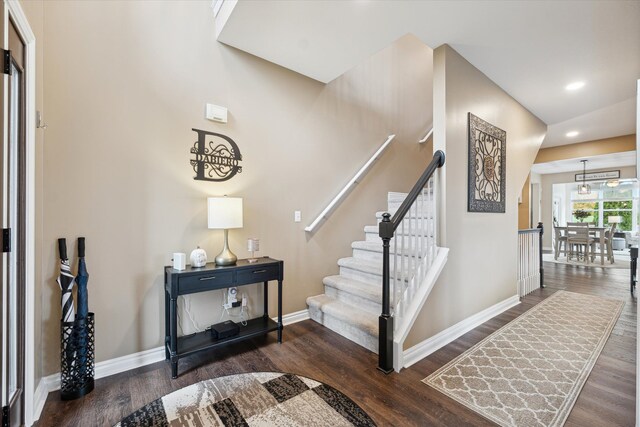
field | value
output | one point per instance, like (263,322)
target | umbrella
(65,280)
(83,308)
(81,279)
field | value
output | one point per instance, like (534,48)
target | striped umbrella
(65,280)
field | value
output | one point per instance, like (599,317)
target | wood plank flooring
(607,399)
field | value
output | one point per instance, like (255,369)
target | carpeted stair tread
(410,214)
(394,196)
(371,268)
(365,266)
(373,229)
(356,287)
(347,313)
(377,247)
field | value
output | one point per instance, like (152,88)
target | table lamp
(225,213)
(613,219)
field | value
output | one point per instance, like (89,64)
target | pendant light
(612,183)
(584,188)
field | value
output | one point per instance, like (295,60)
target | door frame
(14,11)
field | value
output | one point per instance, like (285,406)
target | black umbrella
(83,308)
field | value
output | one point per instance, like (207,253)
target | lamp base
(226,257)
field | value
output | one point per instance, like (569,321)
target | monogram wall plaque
(216,157)
(487,166)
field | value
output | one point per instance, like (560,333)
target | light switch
(297,216)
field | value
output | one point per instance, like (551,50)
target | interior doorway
(14,231)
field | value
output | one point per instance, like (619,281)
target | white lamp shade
(615,219)
(225,212)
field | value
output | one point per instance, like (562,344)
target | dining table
(597,232)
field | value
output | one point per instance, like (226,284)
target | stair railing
(414,250)
(353,181)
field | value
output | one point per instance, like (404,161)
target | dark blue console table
(208,278)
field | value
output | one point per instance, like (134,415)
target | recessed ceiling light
(574,86)
(572,133)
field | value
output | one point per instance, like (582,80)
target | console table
(208,278)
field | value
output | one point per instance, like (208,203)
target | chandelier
(584,188)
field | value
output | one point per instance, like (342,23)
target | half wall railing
(530,267)
(409,248)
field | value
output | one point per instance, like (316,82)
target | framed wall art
(487,166)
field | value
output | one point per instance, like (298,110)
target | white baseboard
(115,366)
(436,342)
(136,360)
(544,248)
(39,399)
(295,317)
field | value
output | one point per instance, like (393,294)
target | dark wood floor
(607,399)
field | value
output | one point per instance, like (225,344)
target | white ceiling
(603,161)
(532,49)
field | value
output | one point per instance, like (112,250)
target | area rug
(255,399)
(530,371)
(621,261)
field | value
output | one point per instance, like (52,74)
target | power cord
(186,306)
(244,311)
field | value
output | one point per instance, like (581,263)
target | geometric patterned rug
(531,371)
(255,399)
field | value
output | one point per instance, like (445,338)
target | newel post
(541,227)
(385,321)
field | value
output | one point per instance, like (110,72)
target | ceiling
(532,49)
(603,161)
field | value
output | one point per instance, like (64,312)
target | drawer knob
(207,278)
(259,271)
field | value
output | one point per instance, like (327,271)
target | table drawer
(212,280)
(258,274)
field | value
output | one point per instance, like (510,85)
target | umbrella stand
(77,350)
(76,378)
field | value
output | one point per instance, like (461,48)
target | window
(604,202)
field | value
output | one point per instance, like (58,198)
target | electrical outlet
(297,216)
(244,301)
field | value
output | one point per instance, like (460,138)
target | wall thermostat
(216,113)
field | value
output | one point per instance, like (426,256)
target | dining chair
(560,242)
(579,238)
(608,242)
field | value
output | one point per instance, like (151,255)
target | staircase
(352,301)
